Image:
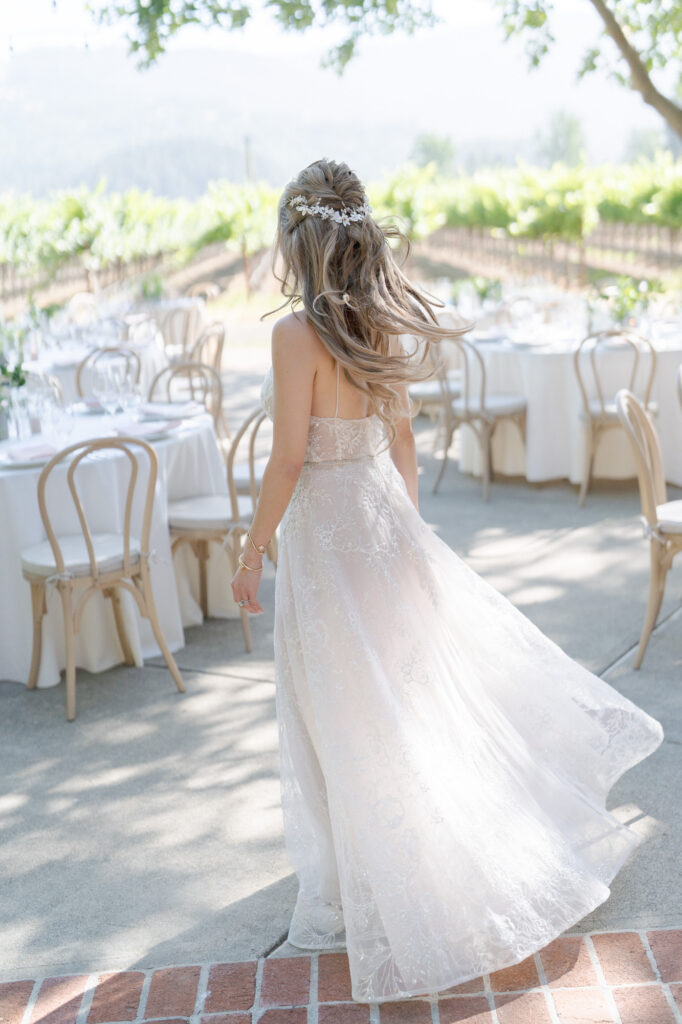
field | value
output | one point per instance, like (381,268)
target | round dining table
(62,362)
(190,464)
(541,369)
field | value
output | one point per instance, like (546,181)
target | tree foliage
(645,36)
(152,23)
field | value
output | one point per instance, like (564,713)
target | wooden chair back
(75,455)
(247,433)
(185,381)
(638,426)
(127,356)
(594,344)
(204,290)
(474,380)
(208,348)
(176,333)
(82,308)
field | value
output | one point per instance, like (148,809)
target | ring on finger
(242,603)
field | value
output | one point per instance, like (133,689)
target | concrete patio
(148,833)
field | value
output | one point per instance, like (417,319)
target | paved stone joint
(603,978)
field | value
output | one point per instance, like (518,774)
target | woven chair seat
(38,560)
(495,405)
(669,516)
(207,512)
(610,412)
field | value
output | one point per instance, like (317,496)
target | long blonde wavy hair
(353,292)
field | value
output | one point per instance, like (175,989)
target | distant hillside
(72,116)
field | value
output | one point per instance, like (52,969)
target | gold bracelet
(260,548)
(249,568)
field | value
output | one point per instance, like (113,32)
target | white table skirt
(555,440)
(63,364)
(189,464)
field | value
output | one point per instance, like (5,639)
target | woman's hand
(245,585)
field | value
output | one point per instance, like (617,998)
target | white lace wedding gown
(444,765)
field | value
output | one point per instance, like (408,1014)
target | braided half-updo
(344,273)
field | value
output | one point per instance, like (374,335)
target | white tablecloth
(63,363)
(189,464)
(554,431)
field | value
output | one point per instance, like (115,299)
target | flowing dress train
(444,765)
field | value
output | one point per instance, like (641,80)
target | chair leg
(449,433)
(70,644)
(235,549)
(203,556)
(150,609)
(39,609)
(590,446)
(486,452)
(656,590)
(114,594)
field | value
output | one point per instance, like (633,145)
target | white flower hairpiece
(345,215)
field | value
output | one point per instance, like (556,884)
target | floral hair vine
(345,215)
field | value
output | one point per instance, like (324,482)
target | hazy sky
(459,79)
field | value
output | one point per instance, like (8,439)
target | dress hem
(439,988)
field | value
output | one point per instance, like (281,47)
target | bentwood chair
(600,414)
(475,408)
(204,290)
(208,348)
(179,332)
(222,518)
(428,394)
(662,519)
(83,564)
(188,381)
(99,359)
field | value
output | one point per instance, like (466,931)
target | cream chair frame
(203,290)
(203,385)
(132,361)
(75,591)
(596,424)
(663,545)
(481,419)
(208,348)
(175,328)
(231,538)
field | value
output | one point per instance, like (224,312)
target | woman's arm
(294,362)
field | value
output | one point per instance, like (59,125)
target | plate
(7,464)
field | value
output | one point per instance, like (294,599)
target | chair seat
(39,559)
(207,512)
(669,516)
(610,411)
(495,405)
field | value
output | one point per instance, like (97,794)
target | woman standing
(444,765)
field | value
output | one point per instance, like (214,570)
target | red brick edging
(603,978)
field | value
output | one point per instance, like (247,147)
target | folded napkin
(143,430)
(28,452)
(170,410)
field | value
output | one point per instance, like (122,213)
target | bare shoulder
(293,334)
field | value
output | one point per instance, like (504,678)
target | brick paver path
(604,978)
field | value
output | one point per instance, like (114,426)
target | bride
(444,765)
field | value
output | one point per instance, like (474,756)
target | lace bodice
(332,438)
